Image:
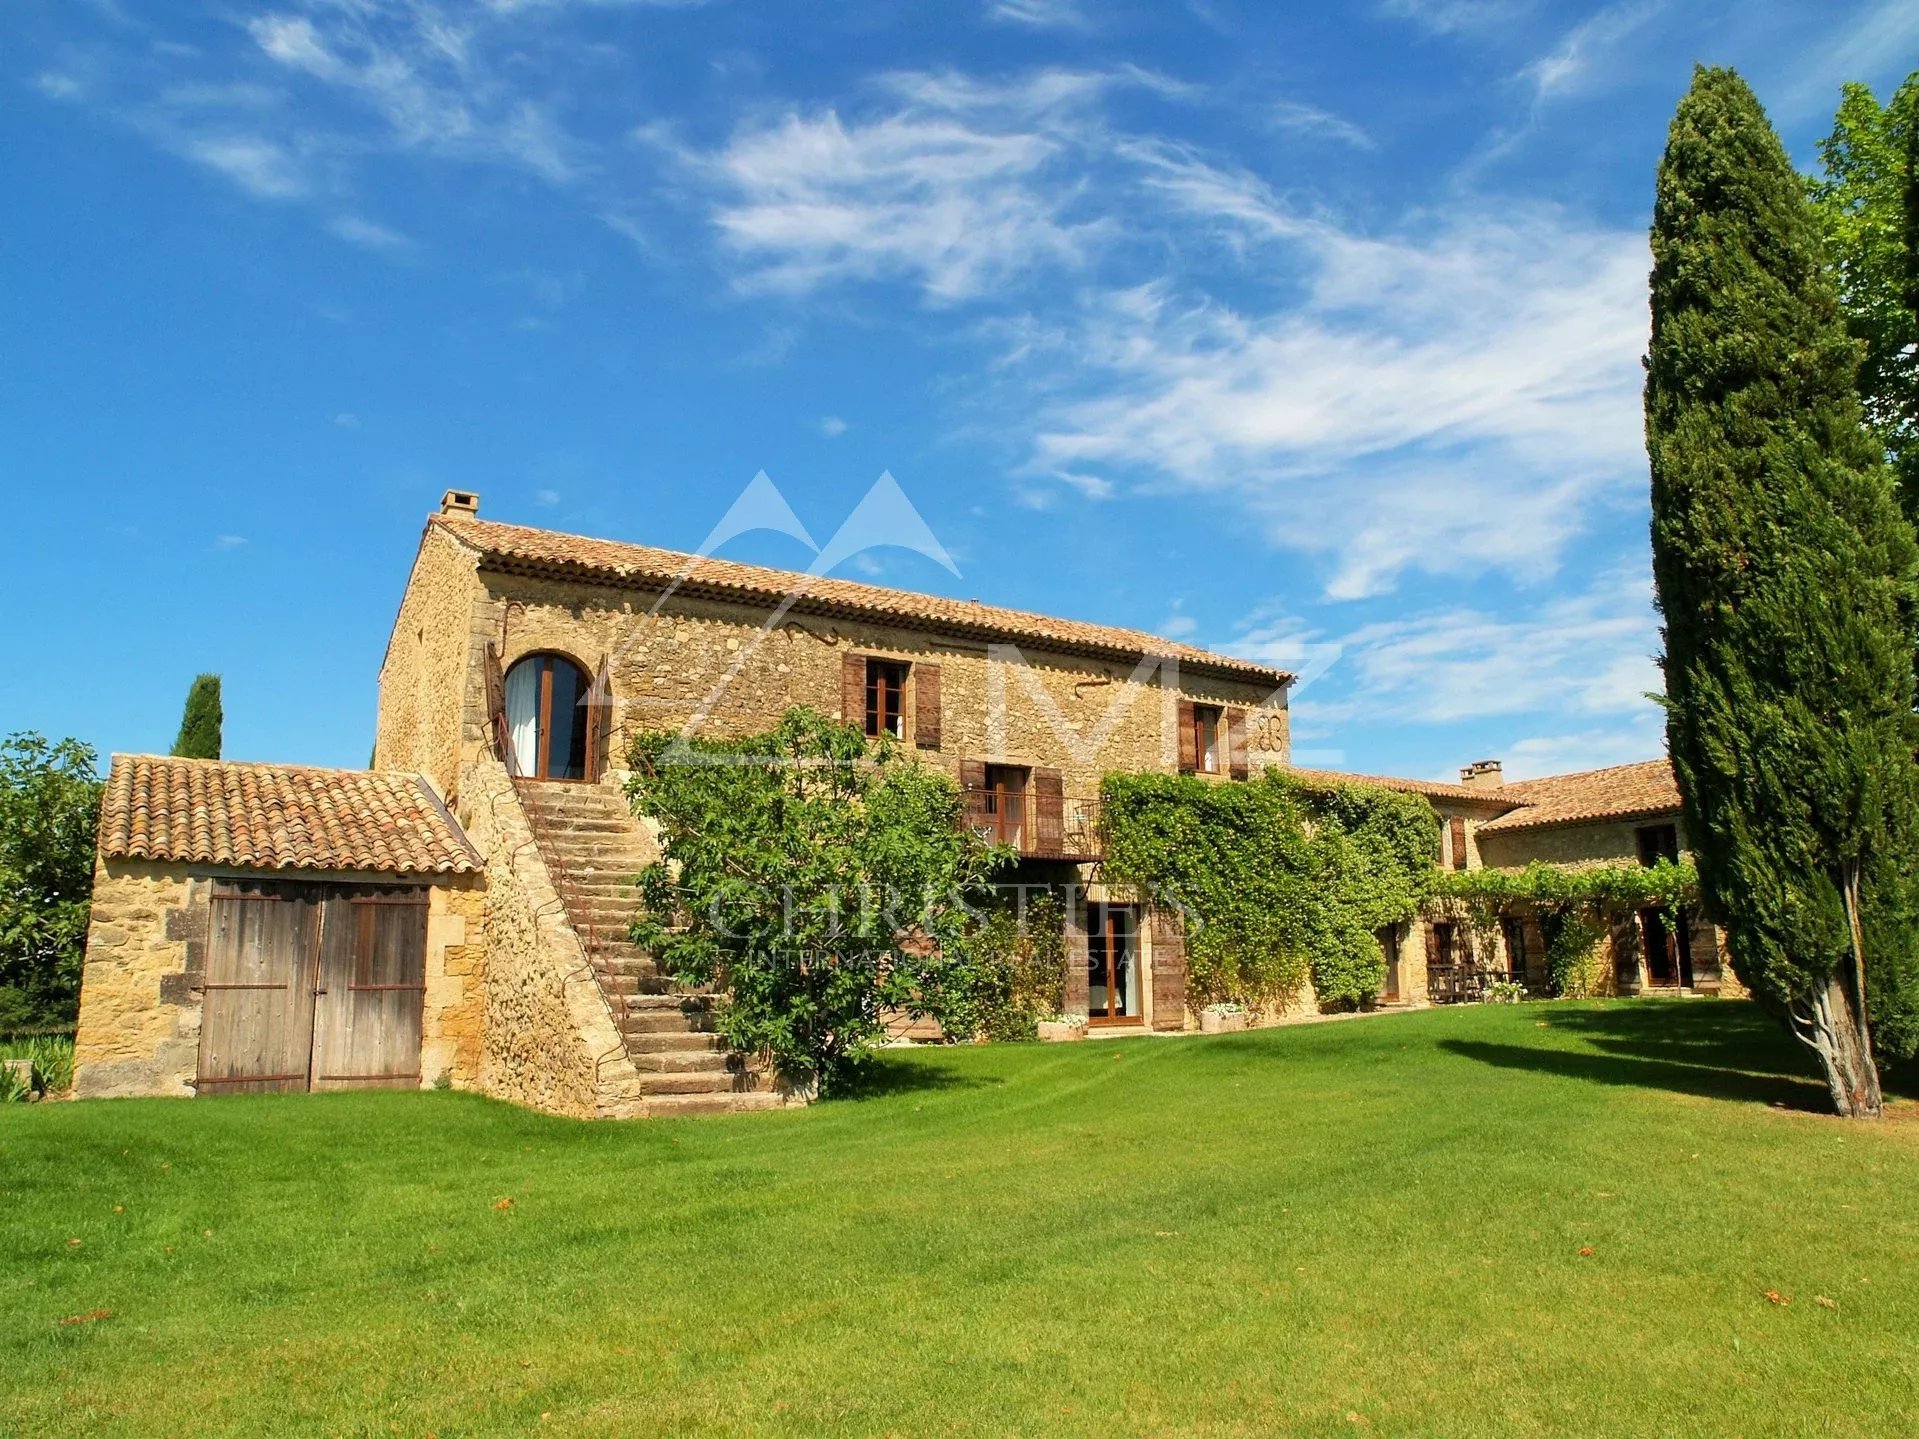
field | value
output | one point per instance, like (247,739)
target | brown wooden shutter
(926,706)
(496,702)
(1049,812)
(1075,992)
(1168,931)
(599,723)
(1236,765)
(1457,831)
(1188,739)
(1432,943)
(973,792)
(853,691)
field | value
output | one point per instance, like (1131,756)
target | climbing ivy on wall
(1281,881)
(1573,906)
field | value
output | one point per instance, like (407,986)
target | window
(1206,732)
(885,688)
(1657,842)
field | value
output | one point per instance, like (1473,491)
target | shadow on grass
(1719,1050)
(886,1074)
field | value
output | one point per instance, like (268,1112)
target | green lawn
(1379,1226)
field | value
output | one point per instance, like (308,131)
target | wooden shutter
(1168,931)
(599,723)
(1049,812)
(496,701)
(1236,765)
(853,691)
(1457,831)
(926,706)
(1188,739)
(973,792)
(1074,993)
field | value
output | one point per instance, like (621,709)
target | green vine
(1281,882)
(1572,905)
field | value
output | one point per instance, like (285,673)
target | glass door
(1112,963)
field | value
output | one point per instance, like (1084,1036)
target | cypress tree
(199,736)
(1786,581)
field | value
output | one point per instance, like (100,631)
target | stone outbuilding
(274,927)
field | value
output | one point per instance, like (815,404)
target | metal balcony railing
(1024,820)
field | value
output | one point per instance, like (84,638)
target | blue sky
(1309,332)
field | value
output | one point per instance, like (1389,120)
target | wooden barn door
(256,1026)
(366,1024)
(313,987)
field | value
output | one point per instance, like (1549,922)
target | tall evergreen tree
(1865,201)
(1786,578)
(199,736)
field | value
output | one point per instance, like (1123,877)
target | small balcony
(1065,829)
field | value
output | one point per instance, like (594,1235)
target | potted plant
(1061,1028)
(1225,1017)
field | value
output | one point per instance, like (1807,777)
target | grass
(50,1061)
(1538,1219)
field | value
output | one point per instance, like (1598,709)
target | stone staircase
(593,847)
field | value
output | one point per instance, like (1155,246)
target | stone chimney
(460,502)
(1483,774)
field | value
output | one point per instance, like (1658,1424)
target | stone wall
(1028,706)
(139,1031)
(1570,846)
(141,995)
(550,1041)
(429,662)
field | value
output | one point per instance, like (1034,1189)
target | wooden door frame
(1106,911)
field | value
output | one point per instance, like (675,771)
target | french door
(1112,963)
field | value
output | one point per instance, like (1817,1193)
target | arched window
(546,717)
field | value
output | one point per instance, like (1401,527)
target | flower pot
(1213,1022)
(1057,1031)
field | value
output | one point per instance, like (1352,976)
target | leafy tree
(1785,576)
(1867,202)
(817,878)
(49,807)
(199,736)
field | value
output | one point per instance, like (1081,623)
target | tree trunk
(1828,1026)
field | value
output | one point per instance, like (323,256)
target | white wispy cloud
(956,186)
(1039,14)
(1583,53)
(1301,118)
(1879,40)
(261,167)
(832,426)
(357,230)
(1445,402)
(1449,17)
(1557,685)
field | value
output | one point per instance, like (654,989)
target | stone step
(671,1106)
(667,1041)
(695,1084)
(688,1004)
(636,1023)
(709,1061)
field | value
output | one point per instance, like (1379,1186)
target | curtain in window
(523,716)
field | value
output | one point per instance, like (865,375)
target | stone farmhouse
(458,914)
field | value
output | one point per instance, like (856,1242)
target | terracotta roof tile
(266,816)
(1432,789)
(521,549)
(1625,791)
